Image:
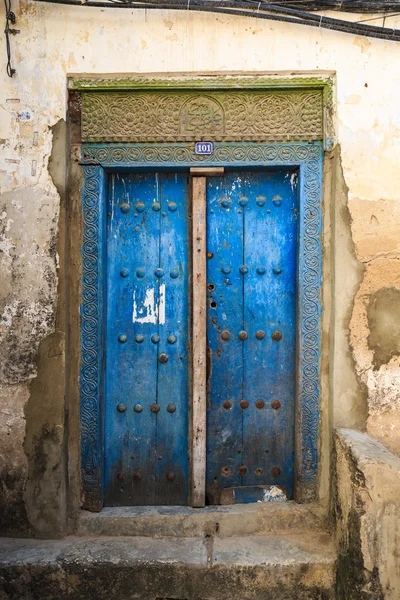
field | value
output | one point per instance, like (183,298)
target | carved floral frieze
(172,116)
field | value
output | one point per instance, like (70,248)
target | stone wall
(362,219)
(367,509)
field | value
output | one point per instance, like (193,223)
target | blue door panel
(251,336)
(256,374)
(146,453)
(224,320)
(270,307)
(172,424)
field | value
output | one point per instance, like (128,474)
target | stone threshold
(287,567)
(221,521)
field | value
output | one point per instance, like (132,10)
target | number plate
(204,148)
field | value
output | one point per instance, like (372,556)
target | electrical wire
(10,18)
(384,16)
(261,10)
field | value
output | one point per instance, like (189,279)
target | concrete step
(180,521)
(285,567)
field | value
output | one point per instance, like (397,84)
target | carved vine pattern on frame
(91,337)
(145,116)
(309,158)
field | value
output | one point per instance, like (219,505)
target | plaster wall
(362,226)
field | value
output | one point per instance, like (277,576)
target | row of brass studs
(244,269)
(174,274)
(138,408)
(171,339)
(139,339)
(227,404)
(243,470)
(260,335)
(171,408)
(243,201)
(140,207)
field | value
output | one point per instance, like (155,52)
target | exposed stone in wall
(383,313)
(373,326)
(28,266)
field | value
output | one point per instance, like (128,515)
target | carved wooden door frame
(102,155)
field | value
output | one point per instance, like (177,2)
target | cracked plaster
(57,40)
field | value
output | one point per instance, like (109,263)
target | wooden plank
(199,372)
(207,171)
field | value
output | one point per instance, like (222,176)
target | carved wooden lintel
(188,116)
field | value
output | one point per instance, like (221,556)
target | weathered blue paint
(146,446)
(224,317)
(113,157)
(251,231)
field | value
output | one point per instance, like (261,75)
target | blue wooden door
(251,337)
(146,346)
(251,334)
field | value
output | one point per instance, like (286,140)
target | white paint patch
(293,181)
(273,494)
(150,311)
(161,305)
(225,435)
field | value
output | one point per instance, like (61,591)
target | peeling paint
(151,310)
(273,494)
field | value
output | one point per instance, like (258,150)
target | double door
(249,337)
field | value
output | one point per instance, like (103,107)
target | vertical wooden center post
(199,333)
(199,341)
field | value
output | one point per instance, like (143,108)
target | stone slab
(274,550)
(17,552)
(180,521)
(247,568)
